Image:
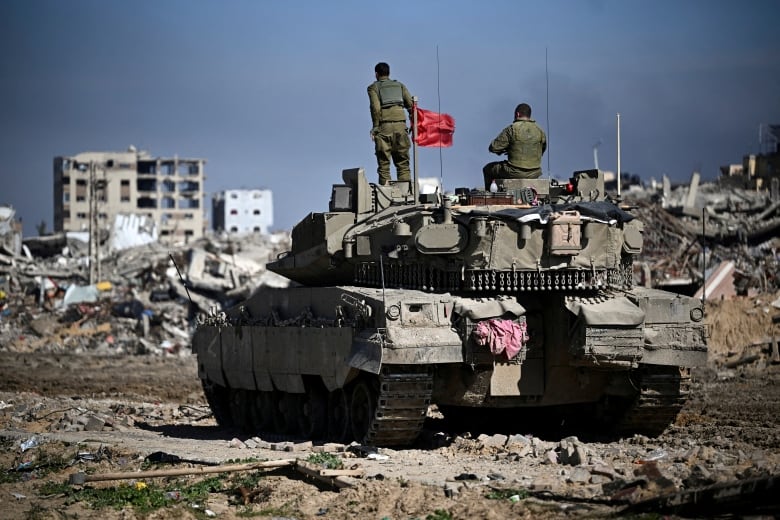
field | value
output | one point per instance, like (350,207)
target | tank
(512,300)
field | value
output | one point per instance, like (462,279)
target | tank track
(663,391)
(401,406)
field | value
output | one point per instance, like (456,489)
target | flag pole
(414,153)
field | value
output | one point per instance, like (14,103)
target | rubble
(147,298)
(692,231)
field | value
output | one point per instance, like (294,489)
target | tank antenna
(547,86)
(414,150)
(703,258)
(438,100)
(192,304)
(618,155)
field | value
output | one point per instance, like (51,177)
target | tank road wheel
(286,412)
(262,411)
(361,410)
(218,398)
(239,408)
(278,416)
(313,418)
(338,416)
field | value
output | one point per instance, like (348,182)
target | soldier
(388,98)
(524,143)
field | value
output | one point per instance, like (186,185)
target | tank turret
(534,235)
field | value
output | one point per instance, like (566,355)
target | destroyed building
(715,239)
(95,187)
(243,211)
(10,231)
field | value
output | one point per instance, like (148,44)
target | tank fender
(237,357)
(613,312)
(607,333)
(480,309)
(366,352)
(206,343)
(289,353)
(292,383)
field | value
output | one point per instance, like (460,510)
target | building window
(234,195)
(189,216)
(188,169)
(256,212)
(146,185)
(257,229)
(234,212)
(233,229)
(188,186)
(147,202)
(81,215)
(66,179)
(147,167)
(124,182)
(66,197)
(80,198)
(81,182)
(102,216)
(188,233)
(124,198)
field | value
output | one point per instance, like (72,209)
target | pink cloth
(502,336)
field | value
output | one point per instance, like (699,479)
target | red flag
(434,129)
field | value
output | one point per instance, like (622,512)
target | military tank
(510,300)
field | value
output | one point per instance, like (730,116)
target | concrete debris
(10,234)
(726,235)
(146,300)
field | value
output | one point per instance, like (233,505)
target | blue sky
(273,93)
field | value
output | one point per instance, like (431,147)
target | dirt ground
(153,405)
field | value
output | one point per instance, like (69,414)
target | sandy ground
(726,432)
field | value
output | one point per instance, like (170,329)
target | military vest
(525,149)
(390,93)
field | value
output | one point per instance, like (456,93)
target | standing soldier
(389,100)
(524,143)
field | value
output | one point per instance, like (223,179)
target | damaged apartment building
(96,187)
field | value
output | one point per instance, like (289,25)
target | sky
(273,93)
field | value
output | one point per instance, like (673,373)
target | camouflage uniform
(389,101)
(524,143)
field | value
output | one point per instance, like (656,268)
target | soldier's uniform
(389,101)
(524,142)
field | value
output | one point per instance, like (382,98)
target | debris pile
(144,302)
(724,234)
